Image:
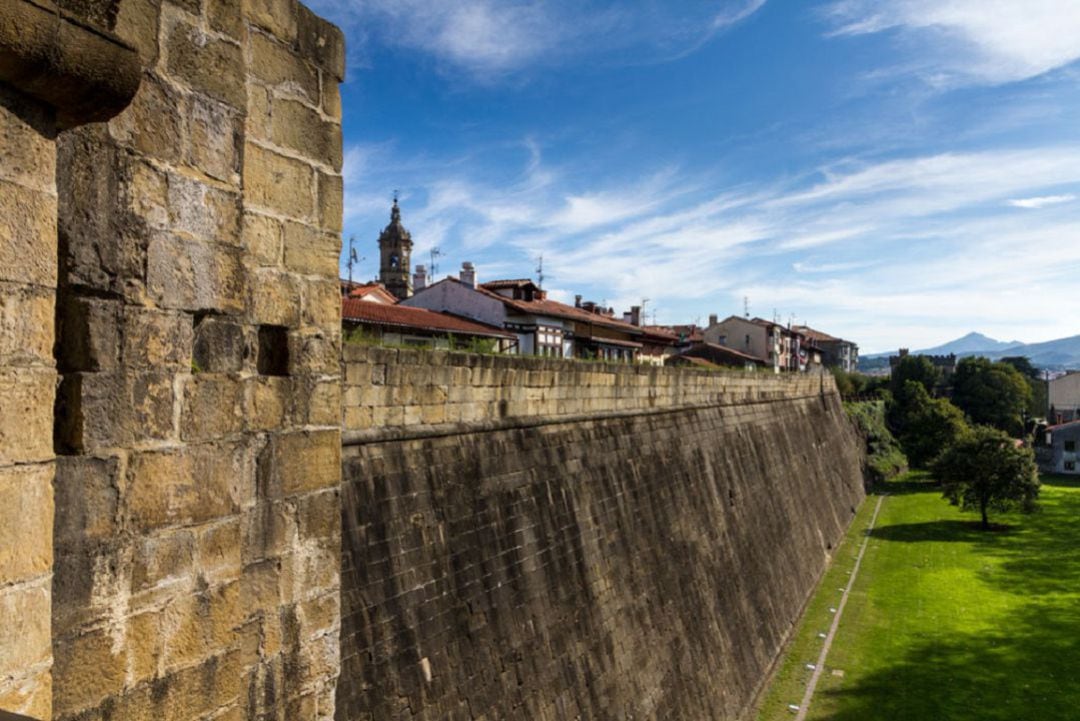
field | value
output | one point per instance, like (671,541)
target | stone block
(215,136)
(319,518)
(87,492)
(314,352)
(322,43)
(26,395)
(311,252)
(202,212)
(148,193)
(300,128)
(26,522)
(331,100)
(331,202)
(153,123)
(197,627)
(269,530)
(276,65)
(263,239)
(188,485)
(279,17)
(30,695)
(137,23)
(226,16)
(157,339)
(317,402)
(114,409)
(279,184)
(190,275)
(26,325)
(221,345)
(274,298)
(268,402)
(92,666)
(27,156)
(27,235)
(258,125)
(209,66)
(300,462)
(322,303)
(213,407)
(218,546)
(162,558)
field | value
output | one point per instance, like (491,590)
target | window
(1070,465)
(1070,446)
(273,358)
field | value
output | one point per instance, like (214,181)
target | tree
(925,426)
(914,368)
(1034,377)
(986,471)
(994,394)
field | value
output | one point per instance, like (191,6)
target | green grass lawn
(947,622)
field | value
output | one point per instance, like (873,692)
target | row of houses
(516,316)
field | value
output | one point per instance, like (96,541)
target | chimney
(419,279)
(713,319)
(635,315)
(577,301)
(468,274)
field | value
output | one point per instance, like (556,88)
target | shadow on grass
(1025,668)
(914,482)
(937,531)
(1027,671)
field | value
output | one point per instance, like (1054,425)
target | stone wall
(27,380)
(185,252)
(578,540)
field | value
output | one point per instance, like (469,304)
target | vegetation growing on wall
(884,458)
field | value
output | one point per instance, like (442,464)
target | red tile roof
(554,308)
(815,335)
(372,289)
(355,309)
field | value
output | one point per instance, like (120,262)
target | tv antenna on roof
(436,253)
(746,306)
(540,272)
(353,258)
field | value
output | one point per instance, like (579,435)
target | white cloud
(489,38)
(866,251)
(1041,201)
(982,41)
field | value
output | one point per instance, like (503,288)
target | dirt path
(804,707)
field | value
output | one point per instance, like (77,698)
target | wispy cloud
(1041,201)
(971,41)
(490,38)
(862,248)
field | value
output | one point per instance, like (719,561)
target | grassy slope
(947,623)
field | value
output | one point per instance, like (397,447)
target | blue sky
(897,172)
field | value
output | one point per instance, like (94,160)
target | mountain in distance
(1060,354)
(971,343)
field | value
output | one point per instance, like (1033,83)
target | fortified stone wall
(578,541)
(185,252)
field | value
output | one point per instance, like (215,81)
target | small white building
(1064,398)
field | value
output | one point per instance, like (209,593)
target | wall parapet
(432,393)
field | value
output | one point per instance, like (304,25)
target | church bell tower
(395,246)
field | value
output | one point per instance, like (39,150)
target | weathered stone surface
(311,252)
(87,499)
(276,16)
(222,345)
(210,66)
(278,183)
(203,212)
(150,124)
(300,462)
(263,239)
(190,275)
(26,325)
(331,202)
(26,395)
(92,666)
(477,560)
(301,129)
(216,132)
(25,642)
(186,485)
(26,520)
(213,407)
(322,43)
(275,64)
(27,235)
(114,409)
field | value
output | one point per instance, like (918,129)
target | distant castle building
(395,247)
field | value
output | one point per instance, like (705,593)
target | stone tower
(395,245)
